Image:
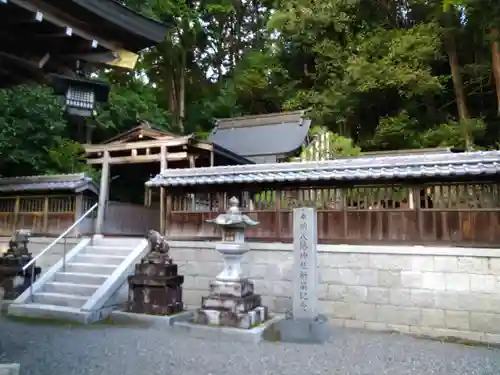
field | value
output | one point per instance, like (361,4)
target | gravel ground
(113,350)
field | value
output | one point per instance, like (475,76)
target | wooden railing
(452,214)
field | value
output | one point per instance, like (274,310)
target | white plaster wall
(38,244)
(422,290)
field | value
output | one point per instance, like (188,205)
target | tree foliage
(378,75)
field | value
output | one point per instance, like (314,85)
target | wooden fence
(40,214)
(452,214)
(52,215)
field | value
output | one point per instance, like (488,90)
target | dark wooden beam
(12,73)
(20,18)
(28,61)
(50,15)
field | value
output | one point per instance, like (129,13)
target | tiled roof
(361,168)
(73,182)
(256,137)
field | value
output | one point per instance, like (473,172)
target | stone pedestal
(231,301)
(13,279)
(231,304)
(156,287)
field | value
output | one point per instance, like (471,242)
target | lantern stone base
(238,288)
(245,320)
(231,304)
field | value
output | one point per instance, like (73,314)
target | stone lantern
(232,301)
(233,246)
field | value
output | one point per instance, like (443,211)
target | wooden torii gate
(145,144)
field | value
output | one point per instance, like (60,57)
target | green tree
(31,124)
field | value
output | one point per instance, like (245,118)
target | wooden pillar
(210,195)
(15,219)
(163,165)
(78,212)
(418,211)
(345,215)
(192,164)
(168,209)
(277,222)
(45,223)
(146,196)
(103,193)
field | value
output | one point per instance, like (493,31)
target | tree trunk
(181,100)
(458,85)
(495,64)
(172,98)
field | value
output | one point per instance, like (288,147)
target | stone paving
(51,349)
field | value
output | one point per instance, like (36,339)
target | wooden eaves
(155,151)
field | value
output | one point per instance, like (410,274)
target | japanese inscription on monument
(305,263)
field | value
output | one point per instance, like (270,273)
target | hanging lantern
(82,95)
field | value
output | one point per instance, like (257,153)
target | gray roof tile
(273,134)
(361,168)
(77,182)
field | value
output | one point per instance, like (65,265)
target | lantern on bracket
(81,94)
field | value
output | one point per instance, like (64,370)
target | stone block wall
(423,290)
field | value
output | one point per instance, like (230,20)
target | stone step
(59,299)
(108,250)
(99,259)
(80,278)
(118,241)
(53,312)
(99,269)
(85,290)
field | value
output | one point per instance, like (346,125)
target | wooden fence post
(17,206)
(278,215)
(45,223)
(418,211)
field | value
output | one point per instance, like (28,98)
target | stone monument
(156,287)
(305,269)
(304,324)
(13,279)
(232,301)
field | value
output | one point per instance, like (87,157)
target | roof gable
(272,134)
(142,132)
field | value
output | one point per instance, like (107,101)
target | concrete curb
(253,335)
(123,317)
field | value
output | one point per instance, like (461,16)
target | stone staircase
(88,285)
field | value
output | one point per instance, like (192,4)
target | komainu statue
(156,287)
(158,249)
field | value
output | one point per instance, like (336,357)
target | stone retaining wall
(423,290)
